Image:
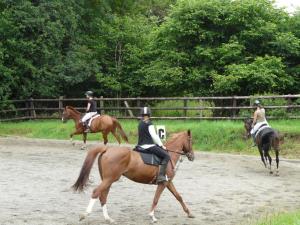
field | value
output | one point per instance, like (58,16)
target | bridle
(187,154)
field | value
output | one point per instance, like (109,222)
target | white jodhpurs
(88,116)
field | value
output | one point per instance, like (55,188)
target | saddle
(148,158)
(89,121)
(265,132)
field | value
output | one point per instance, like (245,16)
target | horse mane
(73,109)
(175,137)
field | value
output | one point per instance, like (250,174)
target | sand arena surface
(36,176)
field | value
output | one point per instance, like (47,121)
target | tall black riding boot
(162,174)
(254,141)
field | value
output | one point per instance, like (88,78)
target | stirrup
(161,179)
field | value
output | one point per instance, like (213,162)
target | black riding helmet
(145,111)
(89,93)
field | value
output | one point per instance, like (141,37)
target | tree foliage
(147,48)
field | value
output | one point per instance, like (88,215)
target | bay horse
(104,124)
(115,161)
(266,140)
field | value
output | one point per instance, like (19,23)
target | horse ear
(189,132)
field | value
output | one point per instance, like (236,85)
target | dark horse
(103,124)
(115,161)
(265,140)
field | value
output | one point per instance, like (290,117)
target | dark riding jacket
(93,106)
(147,135)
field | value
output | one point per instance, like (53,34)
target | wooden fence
(230,107)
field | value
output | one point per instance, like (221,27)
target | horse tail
(120,130)
(87,166)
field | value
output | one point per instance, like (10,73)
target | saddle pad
(265,131)
(263,127)
(92,118)
(148,158)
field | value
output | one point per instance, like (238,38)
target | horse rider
(259,119)
(149,140)
(91,110)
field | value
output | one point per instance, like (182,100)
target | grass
(217,136)
(290,218)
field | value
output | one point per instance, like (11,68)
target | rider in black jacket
(149,140)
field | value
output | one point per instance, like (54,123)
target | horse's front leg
(71,136)
(160,188)
(84,135)
(173,190)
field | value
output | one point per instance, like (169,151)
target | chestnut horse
(103,124)
(114,162)
(265,140)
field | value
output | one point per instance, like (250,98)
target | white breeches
(88,116)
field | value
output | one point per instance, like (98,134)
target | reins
(179,153)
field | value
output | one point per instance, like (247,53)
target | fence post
(60,105)
(129,110)
(32,111)
(289,101)
(233,105)
(138,104)
(101,105)
(27,105)
(185,105)
(200,105)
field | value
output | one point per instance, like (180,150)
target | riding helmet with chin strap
(145,111)
(89,93)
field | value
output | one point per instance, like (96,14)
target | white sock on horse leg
(90,206)
(151,214)
(105,213)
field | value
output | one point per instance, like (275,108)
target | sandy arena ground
(221,189)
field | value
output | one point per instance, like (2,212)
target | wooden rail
(227,107)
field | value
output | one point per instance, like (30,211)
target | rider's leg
(254,140)
(165,159)
(84,122)
(253,132)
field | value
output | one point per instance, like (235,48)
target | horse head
(247,124)
(188,146)
(183,142)
(69,113)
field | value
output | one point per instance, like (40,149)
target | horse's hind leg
(173,190)
(102,189)
(277,161)
(103,198)
(105,140)
(262,156)
(160,188)
(270,162)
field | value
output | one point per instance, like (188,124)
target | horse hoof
(82,216)
(154,220)
(110,220)
(271,172)
(191,216)
(83,148)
